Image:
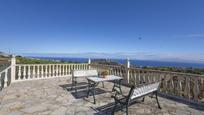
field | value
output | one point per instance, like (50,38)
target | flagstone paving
(54,97)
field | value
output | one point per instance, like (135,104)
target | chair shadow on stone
(108,108)
(81,90)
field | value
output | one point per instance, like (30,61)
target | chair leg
(143,99)
(126,109)
(157,101)
(113,111)
(72,83)
(94,95)
(88,91)
(103,84)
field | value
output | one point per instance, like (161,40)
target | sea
(139,63)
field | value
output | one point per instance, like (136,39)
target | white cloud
(193,58)
(190,36)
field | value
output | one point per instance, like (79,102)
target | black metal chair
(135,93)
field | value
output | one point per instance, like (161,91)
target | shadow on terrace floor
(81,90)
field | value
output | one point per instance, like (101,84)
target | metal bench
(82,74)
(135,93)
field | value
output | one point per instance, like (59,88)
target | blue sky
(140,29)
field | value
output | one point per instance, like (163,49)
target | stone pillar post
(13,68)
(127,69)
(89,63)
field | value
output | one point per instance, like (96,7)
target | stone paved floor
(49,97)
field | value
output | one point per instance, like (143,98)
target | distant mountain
(4,54)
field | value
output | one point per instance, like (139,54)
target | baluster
(24,72)
(77,66)
(81,66)
(68,69)
(142,76)
(38,71)
(120,72)
(172,85)
(65,70)
(74,67)
(46,75)
(84,66)
(62,70)
(57,72)
(19,72)
(42,71)
(29,74)
(196,89)
(179,89)
(33,73)
(139,75)
(187,88)
(53,70)
(1,83)
(135,77)
(71,69)
(50,69)
(147,74)
(6,78)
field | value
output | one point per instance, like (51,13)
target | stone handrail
(4,77)
(44,71)
(188,86)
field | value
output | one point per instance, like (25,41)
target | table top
(108,78)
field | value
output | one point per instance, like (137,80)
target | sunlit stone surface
(54,97)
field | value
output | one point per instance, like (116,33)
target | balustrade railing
(113,70)
(42,71)
(188,86)
(5,77)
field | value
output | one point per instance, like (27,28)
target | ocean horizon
(140,63)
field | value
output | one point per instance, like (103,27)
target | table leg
(117,84)
(91,89)
(75,84)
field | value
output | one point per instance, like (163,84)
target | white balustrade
(4,76)
(42,71)
(19,72)
(188,86)
(63,70)
(6,79)
(45,70)
(38,71)
(24,72)
(29,72)
(33,73)
(50,68)
(65,67)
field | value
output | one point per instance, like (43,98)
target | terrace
(42,89)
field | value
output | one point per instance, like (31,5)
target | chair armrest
(121,99)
